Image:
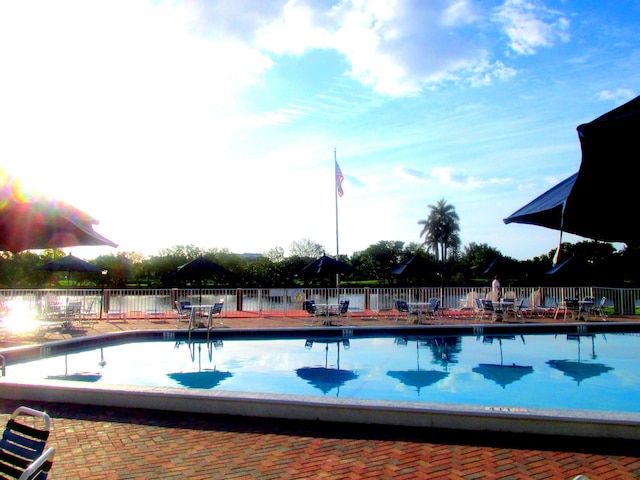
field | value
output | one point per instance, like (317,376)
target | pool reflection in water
(587,372)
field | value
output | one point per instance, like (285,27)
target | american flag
(339,179)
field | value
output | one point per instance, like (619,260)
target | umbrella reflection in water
(503,374)
(418,378)
(325,378)
(580,370)
(205,379)
(79,376)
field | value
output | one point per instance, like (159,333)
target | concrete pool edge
(295,407)
(575,423)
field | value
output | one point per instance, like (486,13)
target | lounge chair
(23,443)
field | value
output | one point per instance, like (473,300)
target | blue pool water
(587,372)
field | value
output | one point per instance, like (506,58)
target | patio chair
(570,306)
(216,312)
(599,309)
(487,307)
(342,312)
(432,308)
(87,315)
(310,307)
(183,311)
(518,311)
(22,447)
(402,310)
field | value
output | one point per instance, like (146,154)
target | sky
(216,123)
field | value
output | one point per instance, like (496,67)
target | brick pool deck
(98,443)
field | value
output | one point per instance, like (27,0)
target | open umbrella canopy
(78,377)
(418,378)
(30,222)
(412,267)
(69,264)
(595,202)
(205,379)
(502,373)
(199,269)
(579,370)
(324,266)
(325,378)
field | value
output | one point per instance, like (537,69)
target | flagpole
(335,163)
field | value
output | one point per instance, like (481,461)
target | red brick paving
(94,443)
(97,443)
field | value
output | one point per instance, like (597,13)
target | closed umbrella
(29,221)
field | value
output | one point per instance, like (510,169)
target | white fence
(282,301)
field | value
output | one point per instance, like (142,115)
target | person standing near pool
(495,286)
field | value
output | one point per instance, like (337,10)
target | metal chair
(402,310)
(22,447)
(599,309)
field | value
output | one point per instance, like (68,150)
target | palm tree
(441,229)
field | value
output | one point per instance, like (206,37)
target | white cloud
(529,25)
(620,95)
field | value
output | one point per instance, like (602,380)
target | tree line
(443,262)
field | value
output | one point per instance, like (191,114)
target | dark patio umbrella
(501,373)
(412,267)
(29,221)
(70,264)
(199,270)
(595,202)
(324,266)
(417,378)
(326,378)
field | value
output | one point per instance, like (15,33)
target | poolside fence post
(239,293)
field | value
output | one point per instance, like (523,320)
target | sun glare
(21,317)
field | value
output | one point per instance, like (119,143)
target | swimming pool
(586,371)
(375,362)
